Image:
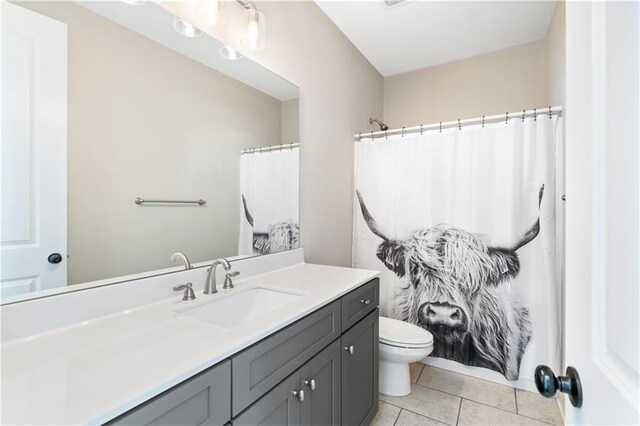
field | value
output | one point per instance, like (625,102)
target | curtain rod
(270,148)
(549,111)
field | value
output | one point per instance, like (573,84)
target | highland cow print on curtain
(461,224)
(269,202)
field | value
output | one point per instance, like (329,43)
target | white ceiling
(156,23)
(418,34)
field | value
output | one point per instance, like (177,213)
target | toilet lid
(399,333)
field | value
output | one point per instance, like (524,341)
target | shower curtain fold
(462,225)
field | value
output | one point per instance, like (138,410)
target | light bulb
(254,33)
(212,11)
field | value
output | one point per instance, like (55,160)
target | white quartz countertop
(91,372)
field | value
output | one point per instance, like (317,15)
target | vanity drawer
(201,400)
(259,368)
(357,304)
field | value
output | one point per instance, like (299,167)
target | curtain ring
(550,112)
(441,127)
(359,136)
(506,118)
(372,135)
(523,112)
(483,121)
(402,132)
(385,135)
(421,130)
(459,125)
(535,115)
(291,146)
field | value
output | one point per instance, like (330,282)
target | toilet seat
(401,334)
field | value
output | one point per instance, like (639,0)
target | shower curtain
(461,224)
(269,202)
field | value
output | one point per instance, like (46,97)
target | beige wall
(145,121)
(556,55)
(507,80)
(291,121)
(339,89)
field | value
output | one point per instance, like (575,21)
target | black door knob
(548,384)
(54,258)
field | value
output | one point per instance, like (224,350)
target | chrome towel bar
(139,201)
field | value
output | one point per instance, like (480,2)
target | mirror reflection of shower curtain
(454,208)
(269,218)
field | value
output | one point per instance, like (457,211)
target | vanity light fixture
(212,11)
(185,28)
(229,53)
(255,25)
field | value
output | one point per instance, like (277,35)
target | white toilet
(401,343)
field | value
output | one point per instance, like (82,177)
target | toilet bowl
(400,344)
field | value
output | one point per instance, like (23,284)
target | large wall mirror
(125,140)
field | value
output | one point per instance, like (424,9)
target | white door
(34,152)
(602,209)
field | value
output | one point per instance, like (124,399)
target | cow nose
(444,314)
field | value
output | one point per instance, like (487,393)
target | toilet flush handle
(349,349)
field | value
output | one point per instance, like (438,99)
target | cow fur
(282,236)
(454,268)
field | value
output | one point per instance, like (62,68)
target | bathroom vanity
(292,343)
(322,369)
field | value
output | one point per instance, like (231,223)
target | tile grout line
(509,412)
(459,411)
(472,400)
(420,374)
(397,417)
(413,412)
(464,397)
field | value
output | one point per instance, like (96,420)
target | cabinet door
(279,407)
(201,400)
(321,382)
(360,371)
(258,369)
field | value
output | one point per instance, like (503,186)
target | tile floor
(442,397)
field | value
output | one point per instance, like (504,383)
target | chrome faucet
(210,284)
(181,256)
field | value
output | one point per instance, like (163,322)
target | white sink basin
(242,307)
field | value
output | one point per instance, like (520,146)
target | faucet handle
(228,280)
(188,291)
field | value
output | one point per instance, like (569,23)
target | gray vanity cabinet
(280,406)
(360,371)
(321,383)
(202,400)
(321,370)
(259,368)
(309,396)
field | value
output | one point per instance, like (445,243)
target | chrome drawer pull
(299,394)
(365,301)
(311,384)
(349,349)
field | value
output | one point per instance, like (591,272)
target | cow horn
(371,223)
(535,229)
(246,211)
